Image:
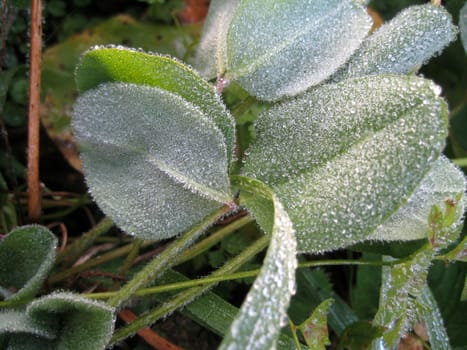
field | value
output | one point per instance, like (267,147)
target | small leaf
(27,255)
(211,55)
(119,64)
(443,181)
(315,328)
(402,45)
(155,163)
(264,311)
(458,253)
(373,139)
(281,48)
(463,25)
(399,300)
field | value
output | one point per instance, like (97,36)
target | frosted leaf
(402,45)
(444,181)
(154,162)
(463,26)
(281,48)
(27,254)
(211,55)
(258,324)
(16,322)
(344,157)
(402,286)
(315,328)
(120,64)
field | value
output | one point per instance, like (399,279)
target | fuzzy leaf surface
(153,161)
(344,157)
(120,64)
(211,56)
(402,45)
(280,48)
(27,254)
(258,324)
(443,181)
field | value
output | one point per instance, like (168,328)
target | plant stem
(185,297)
(166,259)
(130,259)
(34,190)
(461,162)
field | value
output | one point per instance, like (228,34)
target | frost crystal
(162,174)
(402,45)
(280,48)
(343,157)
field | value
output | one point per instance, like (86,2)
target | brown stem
(34,189)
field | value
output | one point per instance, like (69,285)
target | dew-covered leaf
(155,163)
(463,26)
(402,45)
(444,181)
(27,254)
(344,157)
(119,64)
(459,252)
(264,310)
(428,312)
(315,328)
(19,323)
(401,288)
(211,56)
(280,48)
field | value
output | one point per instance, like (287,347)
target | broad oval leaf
(402,45)
(281,48)
(443,181)
(153,161)
(120,64)
(211,56)
(344,157)
(27,254)
(264,310)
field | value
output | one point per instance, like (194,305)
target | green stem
(185,297)
(293,329)
(165,260)
(461,162)
(130,259)
(73,251)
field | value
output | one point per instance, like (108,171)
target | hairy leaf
(281,48)
(160,174)
(344,157)
(27,255)
(19,323)
(264,310)
(119,64)
(402,45)
(211,55)
(443,181)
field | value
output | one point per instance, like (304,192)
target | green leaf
(463,26)
(162,173)
(211,56)
(443,181)
(402,286)
(429,312)
(19,323)
(27,255)
(315,328)
(281,48)
(402,45)
(119,64)
(373,139)
(258,324)
(359,335)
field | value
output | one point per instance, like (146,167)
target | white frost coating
(444,181)
(402,45)
(344,157)
(159,175)
(281,48)
(211,56)
(264,310)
